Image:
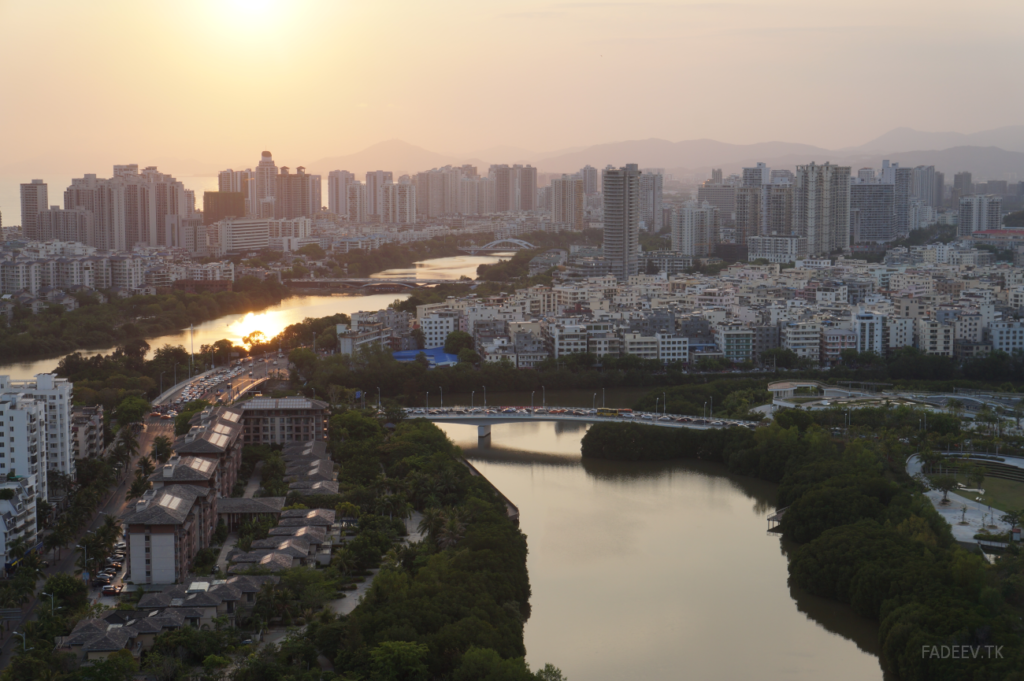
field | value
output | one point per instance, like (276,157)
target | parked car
(112,589)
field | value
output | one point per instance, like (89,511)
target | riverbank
(665,563)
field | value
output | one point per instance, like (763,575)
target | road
(114,506)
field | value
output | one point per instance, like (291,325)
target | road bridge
(485,417)
(364,285)
(498,246)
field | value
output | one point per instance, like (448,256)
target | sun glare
(270,323)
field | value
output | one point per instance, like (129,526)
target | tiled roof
(250,505)
(169,505)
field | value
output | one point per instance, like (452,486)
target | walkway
(964,525)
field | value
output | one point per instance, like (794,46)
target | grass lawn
(1006,495)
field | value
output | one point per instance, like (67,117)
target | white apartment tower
(23,445)
(55,396)
(266,187)
(33,199)
(695,229)
(337,191)
(621,189)
(821,207)
(979,212)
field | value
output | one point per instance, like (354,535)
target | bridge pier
(483,432)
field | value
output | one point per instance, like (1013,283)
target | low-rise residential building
(267,420)
(803,338)
(932,337)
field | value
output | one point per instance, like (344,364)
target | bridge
(485,417)
(364,285)
(499,246)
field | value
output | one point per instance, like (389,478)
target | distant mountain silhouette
(395,155)
(1010,138)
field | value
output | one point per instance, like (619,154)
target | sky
(89,84)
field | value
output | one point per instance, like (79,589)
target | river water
(660,571)
(273,320)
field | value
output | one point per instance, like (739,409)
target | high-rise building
(695,229)
(337,191)
(963,183)
(716,176)
(777,206)
(567,201)
(940,190)
(756,176)
(356,202)
(57,224)
(979,212)
(748,210)
(721,195)
(33,199)
(591,177)
(650,201)
(515,188)
(131,207)
(297,194)
(262,205)
(239,181)
(923,187)
(621,189)
(220,205)
(821,205)
(375,181)
(399,204)
(872,210)
(53,449)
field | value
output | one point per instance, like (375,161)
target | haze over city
(208,85)
(469,340)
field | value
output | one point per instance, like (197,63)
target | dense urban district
(283,507)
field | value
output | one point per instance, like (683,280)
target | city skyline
(697,47)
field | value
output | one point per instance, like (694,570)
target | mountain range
(992,154)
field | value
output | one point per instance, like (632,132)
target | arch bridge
(498,246)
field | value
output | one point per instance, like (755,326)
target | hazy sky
(86,84)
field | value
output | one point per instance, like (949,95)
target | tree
(456,341)
(162,448)
(145,467)
(420,338)
(400,661)
(945,484)
(139,487)
(131,410)
(1012,518)
(68,589)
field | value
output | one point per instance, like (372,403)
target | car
(112,589)
(247,642)
(102,580)
(166,417)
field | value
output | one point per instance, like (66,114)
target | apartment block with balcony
(165,529)
(267,420)
(833,341)
(932,337)
(87,432)
(734,340)
(55,396)
(803,338)
(1006,336)
(23,438)
(18,519)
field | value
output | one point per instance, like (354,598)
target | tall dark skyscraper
(220,205)
(621,189)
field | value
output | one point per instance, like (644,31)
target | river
(272,320)
(660,571)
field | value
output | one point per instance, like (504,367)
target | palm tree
(431,523)
(131,443)
(139,487)
(453,530)
(955,406)
(162,448)
(54,541)
(145,467)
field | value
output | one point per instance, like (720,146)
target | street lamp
(23,641)
(378,397)
(176,373)
(442,396)
(531,401)
(485,396)
(593,402)
(472,396)
(543,397)
(51,602)
(428,399)
(602,397)
(704,412)
(162,382)
(657,400)
(664,403)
